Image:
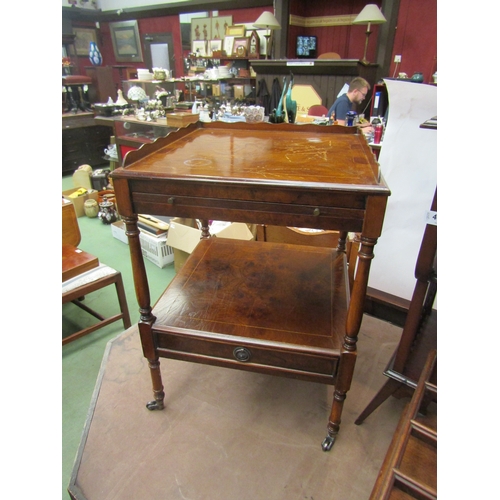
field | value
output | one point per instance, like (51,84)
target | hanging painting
(126,41)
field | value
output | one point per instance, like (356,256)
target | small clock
(253,45)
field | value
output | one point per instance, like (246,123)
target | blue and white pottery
(94,54)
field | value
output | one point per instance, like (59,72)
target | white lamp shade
(371,14)
(267,21)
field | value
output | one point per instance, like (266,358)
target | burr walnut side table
(266,307)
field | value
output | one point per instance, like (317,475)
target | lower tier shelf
(265,307)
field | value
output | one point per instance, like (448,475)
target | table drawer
(289,360)
(292,214)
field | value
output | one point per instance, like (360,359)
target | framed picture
(83,37)
(220,25)
(199,47)
(228,45)
(213,45)
(236,30)
(126,41)
(240,47)
(201,29)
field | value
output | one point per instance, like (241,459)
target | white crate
(154,248)
(118,231)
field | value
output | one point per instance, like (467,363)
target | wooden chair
(329,55)
(82,274)
(317,110)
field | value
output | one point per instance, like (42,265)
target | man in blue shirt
(356,94)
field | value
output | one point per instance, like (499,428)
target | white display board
(408,161)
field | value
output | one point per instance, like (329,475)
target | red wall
(415,37)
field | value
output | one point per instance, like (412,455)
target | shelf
(309,67)
(265,307)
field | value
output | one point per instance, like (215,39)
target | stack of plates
(144,74)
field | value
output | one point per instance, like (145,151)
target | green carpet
(82,358)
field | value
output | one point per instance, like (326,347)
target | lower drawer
(288,360)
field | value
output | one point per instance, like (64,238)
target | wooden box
(181,119)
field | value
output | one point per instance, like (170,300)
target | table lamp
(371,14)
(267,21)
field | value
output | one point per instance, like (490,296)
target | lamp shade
(371,14)
(267,21)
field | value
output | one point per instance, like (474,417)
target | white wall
(408,161)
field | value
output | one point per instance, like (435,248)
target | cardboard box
(154,248)
(80,200)
(184,235)
(239,91)
(298,236)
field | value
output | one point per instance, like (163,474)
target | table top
(262,153)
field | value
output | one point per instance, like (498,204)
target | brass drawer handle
(170,200)
(316,211)
(242,354)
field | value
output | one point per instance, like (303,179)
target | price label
(432,218)
(300,63)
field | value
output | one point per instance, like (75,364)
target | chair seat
(87,277)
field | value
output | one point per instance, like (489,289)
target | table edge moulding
(272,308)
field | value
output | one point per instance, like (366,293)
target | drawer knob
(316,211)
(170,201)
(242,354)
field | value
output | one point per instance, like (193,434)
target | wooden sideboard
(272,308)
(83,142)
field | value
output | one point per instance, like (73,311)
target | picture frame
(83,37)
(237,30)
(240,47)
(201,29)
(126,41)
(220,25)
(199,47)
(228,45)
(214,45)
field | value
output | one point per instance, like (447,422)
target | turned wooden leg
(147,319)
(343,384)
(349,351)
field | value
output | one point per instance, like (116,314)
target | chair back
(329,55)
(70,230)
(317,110)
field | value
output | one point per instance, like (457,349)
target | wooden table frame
(281,174)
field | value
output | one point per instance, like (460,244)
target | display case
(131,133)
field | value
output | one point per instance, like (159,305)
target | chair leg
(122,300)
(388,389)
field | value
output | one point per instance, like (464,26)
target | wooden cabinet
(103,86)
(83,142)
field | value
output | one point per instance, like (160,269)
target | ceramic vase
(94,54)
